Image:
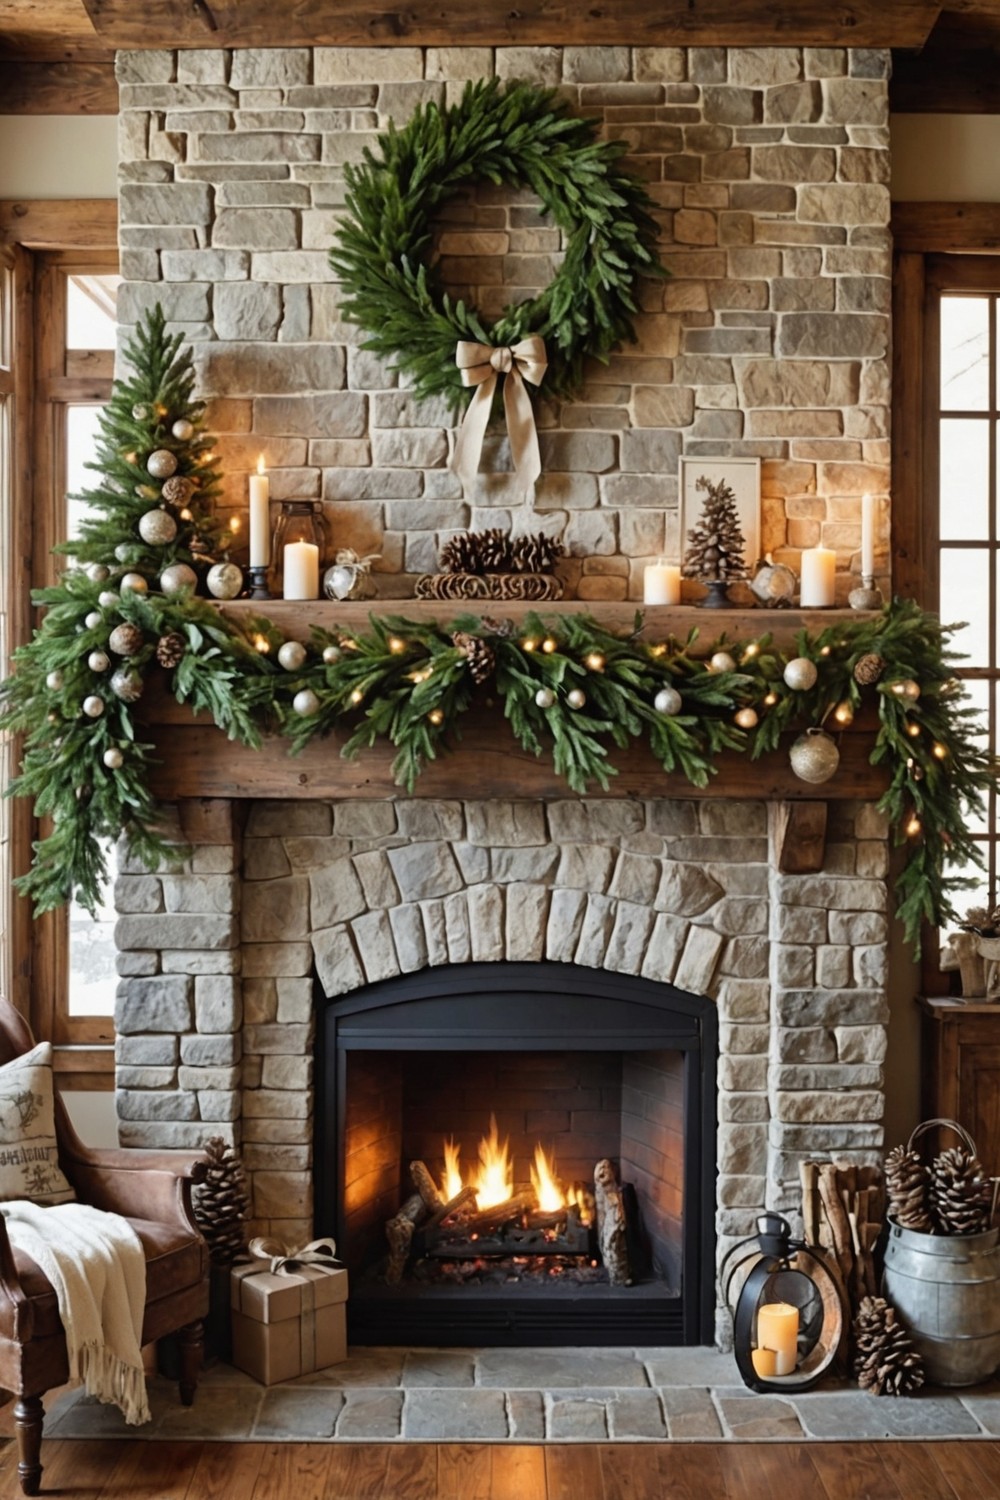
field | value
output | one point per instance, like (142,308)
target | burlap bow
(319,1253)
(481,366)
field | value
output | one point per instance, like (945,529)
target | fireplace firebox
(564,1068)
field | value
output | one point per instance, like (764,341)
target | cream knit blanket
(96,1266)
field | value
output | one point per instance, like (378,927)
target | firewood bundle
(221,1203)
(843,1205)
(885,1361)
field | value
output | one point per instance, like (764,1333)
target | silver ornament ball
(54,681)
(545,697)
(800,674)
(133,583)
(98,661)
(722,661)
(576,698)
(305,702)
(814,757)
(113,758)
(667,701)
(109,599)
(157,527)
(178,576)
(225,581)
(126,684)
(161,463)
(126,639)
(98,573)
(331,654)
(125,552)
(141,411)
(183,430)
(93,706)
(292,656)
(93,619)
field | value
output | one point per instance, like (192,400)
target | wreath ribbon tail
(481,366)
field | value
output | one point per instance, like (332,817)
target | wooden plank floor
(116,1470)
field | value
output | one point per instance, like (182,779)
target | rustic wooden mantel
(197,761)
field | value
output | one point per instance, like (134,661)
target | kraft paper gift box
(287,1324)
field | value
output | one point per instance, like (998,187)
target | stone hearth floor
(528,1396)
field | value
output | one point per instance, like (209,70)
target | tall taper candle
(260,517)
(867,535)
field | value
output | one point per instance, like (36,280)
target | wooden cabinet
(962,1071)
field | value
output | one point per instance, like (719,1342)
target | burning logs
(399,1233)
(612,1232)
(425,1186)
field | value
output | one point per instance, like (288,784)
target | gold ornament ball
(800,674)
(436,716)
(183,430)
(667,701)
(545,697)
(133,583)
(54,681)
(178,576)
(113,759)
(93,706)
(225,580)
(305,702)
(911,690)
(126,684)
(292,656)
(746,718)
(161,463)
(722,661)
(157,527)
(576,698)
(814,757)
(126,639)
(98,661)
(331,654)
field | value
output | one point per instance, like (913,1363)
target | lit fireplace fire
(492,1179)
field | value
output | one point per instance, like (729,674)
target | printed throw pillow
(29,1159)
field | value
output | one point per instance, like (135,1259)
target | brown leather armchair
(152,1189)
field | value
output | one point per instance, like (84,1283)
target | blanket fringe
(111,1380)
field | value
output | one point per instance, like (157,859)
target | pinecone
(885,1361)
(169,649)
(479,654)
(960,1192)
(494,626)
(461,554)
(906,1185)
(222,1203)
(496,551)
(868,668)
(536,554)
(715,545)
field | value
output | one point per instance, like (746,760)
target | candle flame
(234,525)
(260,464)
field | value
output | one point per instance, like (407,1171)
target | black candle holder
(258,588)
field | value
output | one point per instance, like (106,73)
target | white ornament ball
(141,411)
(125,552)
(157,527)
(183,430)
(576,697)
(98,573)
(178,576)
(93,619)
(162,463)
(306,702)
(667,701)
(98,661)
(54,682)
(126,684)
(93,706)
(113,759)
(545,697)
(722,661)
(814,757)
(800,674)
(225,580)
(331,654)
(292,656)
(746,718)
(108,600)
(133,583)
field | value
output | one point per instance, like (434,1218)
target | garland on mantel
(567,685)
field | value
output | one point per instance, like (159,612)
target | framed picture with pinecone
(719,500)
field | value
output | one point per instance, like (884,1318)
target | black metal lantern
(788,1315)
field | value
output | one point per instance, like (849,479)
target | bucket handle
(959,1130)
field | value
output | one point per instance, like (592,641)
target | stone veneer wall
(768,168)
(215,1012)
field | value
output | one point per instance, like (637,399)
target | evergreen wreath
(506,133)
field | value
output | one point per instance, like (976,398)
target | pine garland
(504,133)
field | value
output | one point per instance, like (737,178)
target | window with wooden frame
(946,463)
(65,338)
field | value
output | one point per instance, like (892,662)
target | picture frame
(743,477)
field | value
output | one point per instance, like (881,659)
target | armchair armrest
(190,1164)
(138,1184)
(16,1313)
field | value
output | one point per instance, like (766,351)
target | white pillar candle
(778,1329)
(661,584)
(260,517)
(867,536)
(818,588)
(301,567)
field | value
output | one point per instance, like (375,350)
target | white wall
(947,158)
(93,1116)
(58,156)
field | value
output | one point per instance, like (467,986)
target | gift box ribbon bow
(319,1253)
(481,367)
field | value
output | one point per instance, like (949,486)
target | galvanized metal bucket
(946,1289)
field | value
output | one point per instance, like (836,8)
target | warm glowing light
(913,730)
(130,458)
(549,645)
(186,515)
(260,464)
(436,716)
(594,661)
(844,713)
(420,675)
(451,1182)
(357,695)
(528,644)
(939,751)
(825,650)
(396,645)
(261,644)
(914,827)
(234,525)
(752,650)
(659,650)
(770,699)
(494,1179)
(543,1179)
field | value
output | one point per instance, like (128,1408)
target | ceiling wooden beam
(952,81)
(352,23)
(946,228)
(52,88)
(60,224)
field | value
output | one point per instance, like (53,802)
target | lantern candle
(867,536)
(661,584)
(301,568)
(778,1330)
(260,517)
(818,589)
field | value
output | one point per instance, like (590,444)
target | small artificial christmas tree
(715,553)
(152,509)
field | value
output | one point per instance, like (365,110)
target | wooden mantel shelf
(197,761)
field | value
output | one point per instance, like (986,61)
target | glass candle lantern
(788,1317)
(299,552)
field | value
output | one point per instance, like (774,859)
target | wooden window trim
(47,239)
